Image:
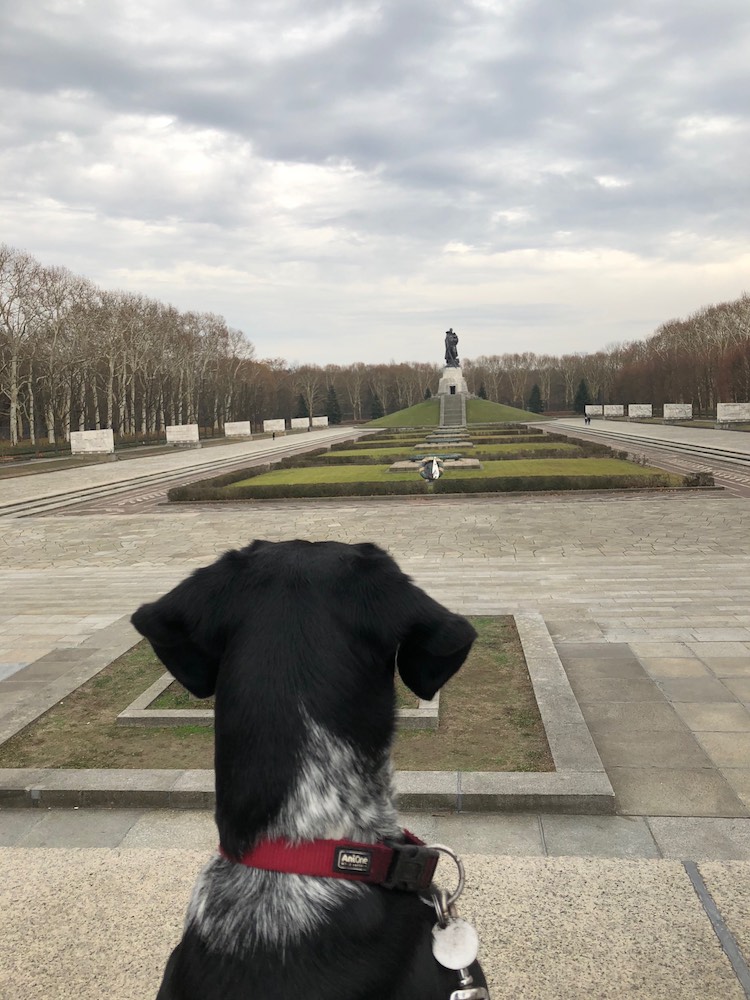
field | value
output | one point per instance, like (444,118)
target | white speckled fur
(337,795)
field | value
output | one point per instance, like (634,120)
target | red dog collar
(407,866)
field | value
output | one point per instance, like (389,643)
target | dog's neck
(337,793)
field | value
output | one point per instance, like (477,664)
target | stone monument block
(92,442)
(728,413)
(594,409)
(300,423)
(237,429)
(320,421)
(614,410)
(274,426)
(640,410)
(678,411)
(452,383)
(183,434)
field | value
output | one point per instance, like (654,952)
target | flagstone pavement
(648,601)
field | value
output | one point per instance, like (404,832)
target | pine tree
(333,410)
(376,408)
(582,397)
(482,392)
(535,400)
(427,393)
(302,410)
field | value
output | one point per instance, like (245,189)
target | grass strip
(488,719)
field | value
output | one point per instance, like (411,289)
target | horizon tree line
(76,357)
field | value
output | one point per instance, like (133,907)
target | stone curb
(579,785)
(138,713)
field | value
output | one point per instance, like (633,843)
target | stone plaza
(647,599)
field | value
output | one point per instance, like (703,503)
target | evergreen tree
(582,397)
(302,410)
(427,393)
(535,399)
(333,410)
(376,407)
(482,392)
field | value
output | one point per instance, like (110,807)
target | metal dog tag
(456,944)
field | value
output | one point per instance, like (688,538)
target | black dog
(298,641)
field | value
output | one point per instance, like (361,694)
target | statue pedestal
(452,383)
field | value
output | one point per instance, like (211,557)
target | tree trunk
(111,393)
(66,414)
(82,404)
(97,414)
(13,393)
(49,419)
(32,414)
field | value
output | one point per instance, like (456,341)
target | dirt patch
(489,719)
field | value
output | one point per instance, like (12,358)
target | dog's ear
(436,644)
(182,634)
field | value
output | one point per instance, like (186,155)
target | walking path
(648,600)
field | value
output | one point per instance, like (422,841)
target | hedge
(446,484)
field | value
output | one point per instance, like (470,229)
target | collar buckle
(412,867)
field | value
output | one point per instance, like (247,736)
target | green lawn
(394,453)
(522,467)
(426,414)
(478,411)
(484,411)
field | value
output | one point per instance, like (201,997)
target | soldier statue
(451,350)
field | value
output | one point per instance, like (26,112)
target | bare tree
(19,286)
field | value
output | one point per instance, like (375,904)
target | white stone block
(300,423)
(320,421)
(727,413)
(640,410)
(182,434)
(678,411)
(593,410)
(92,442)
(277,426)
(614,410)
(452,383)
(237,428)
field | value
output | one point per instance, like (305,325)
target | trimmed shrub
(521,484)
(282,491)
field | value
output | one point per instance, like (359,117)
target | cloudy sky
(343,181)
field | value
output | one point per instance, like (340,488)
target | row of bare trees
(73,356)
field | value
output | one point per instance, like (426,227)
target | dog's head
(312,601)
(299,641)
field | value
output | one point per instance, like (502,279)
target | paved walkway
(648,599)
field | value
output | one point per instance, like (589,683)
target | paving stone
(658,791)
(714,717)
(698,838)
(673,667)
(17,823)
(173,829)
(512,835)
(696,689)
(79,828)
(721,649)
(739,687)
(630,717)
(613,689)
(598,836)
(725,666)
(738,779)
(671,749)
(727,749)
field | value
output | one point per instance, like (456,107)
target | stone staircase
(453,410)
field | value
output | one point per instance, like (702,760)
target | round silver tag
(456,945)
